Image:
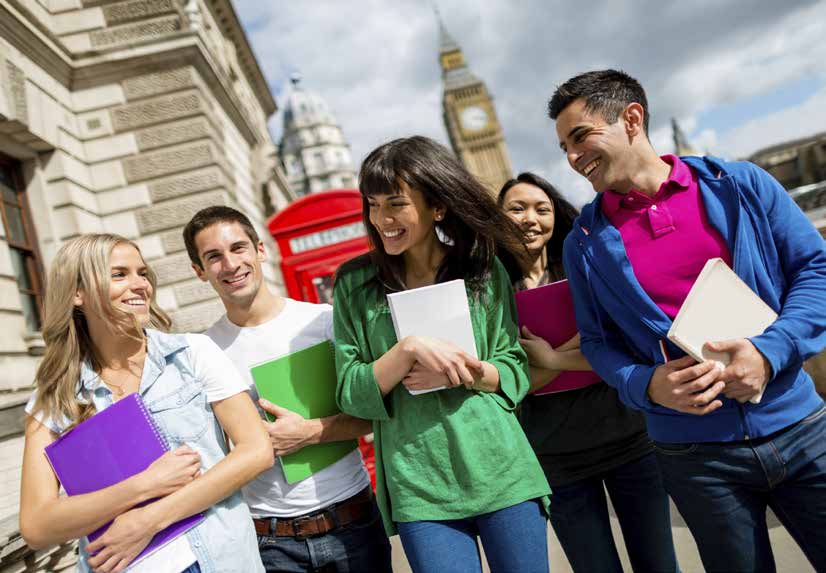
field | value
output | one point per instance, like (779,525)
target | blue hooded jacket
(776,251)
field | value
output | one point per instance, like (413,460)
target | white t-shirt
(299,325)
(220,380)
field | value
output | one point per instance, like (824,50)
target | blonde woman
(104,340)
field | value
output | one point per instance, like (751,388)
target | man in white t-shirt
(328,521)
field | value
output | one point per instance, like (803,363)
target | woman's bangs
(379,181)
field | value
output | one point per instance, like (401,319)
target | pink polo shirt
(667,237)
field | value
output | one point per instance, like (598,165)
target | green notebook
(304,382)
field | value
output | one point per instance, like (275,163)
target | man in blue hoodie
(631,259)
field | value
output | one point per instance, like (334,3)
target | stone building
(313,152)
(125,116)
(470,117)
(800,166)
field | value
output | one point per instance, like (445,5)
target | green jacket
(449,454)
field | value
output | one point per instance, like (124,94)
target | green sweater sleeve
(504,350)
(357,392)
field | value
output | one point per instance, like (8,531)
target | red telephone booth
(315,234)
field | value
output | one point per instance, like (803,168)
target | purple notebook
(111,446)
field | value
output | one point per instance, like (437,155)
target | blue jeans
(358,546)
(579,516)
(722,491)
(515,540)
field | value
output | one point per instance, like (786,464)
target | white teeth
(391,234)
(233,281)
(590,167)
(135,302)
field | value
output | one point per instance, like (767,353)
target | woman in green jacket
(450,464)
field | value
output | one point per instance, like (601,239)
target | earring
(439,216)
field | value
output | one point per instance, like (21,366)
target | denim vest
(225,541)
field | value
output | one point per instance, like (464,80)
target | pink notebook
(548,311)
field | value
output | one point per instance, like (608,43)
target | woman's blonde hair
(81,265)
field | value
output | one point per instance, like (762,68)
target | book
(111,446)
(436,311)
(548,312)
(719,306)
(305,383)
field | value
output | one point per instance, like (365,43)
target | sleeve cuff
(776,348)
(637,388)
(363,399)
(508,395)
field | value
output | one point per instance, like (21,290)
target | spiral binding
(155,430)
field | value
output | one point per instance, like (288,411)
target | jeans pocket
(670,449)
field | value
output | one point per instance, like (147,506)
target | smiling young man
(330,520)
(632,257)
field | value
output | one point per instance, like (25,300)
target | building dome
(313,150)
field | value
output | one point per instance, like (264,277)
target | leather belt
(320,522)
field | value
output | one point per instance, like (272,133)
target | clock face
(473,118)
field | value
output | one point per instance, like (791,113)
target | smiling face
(129,286)
(533,211)
(599,151)
(403,220)
(231,262)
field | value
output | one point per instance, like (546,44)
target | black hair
(472,225)
(564,216)
(212,216)
(607,92)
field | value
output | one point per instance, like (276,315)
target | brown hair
(212,216)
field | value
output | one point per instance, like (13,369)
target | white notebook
(437,311)
(720,306)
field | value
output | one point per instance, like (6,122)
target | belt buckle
(297,522)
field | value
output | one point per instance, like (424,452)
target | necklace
(118,389)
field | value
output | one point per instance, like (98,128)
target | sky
(737,75)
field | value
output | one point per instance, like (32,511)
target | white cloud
(706,142)
(787,124)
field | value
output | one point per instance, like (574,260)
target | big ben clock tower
(470,118)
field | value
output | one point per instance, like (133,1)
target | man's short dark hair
(212,216)
(607,92)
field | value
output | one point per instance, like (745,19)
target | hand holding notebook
(440,364)
(113,445)
(303,382)
(548,312)
(439,311)
(719,307)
